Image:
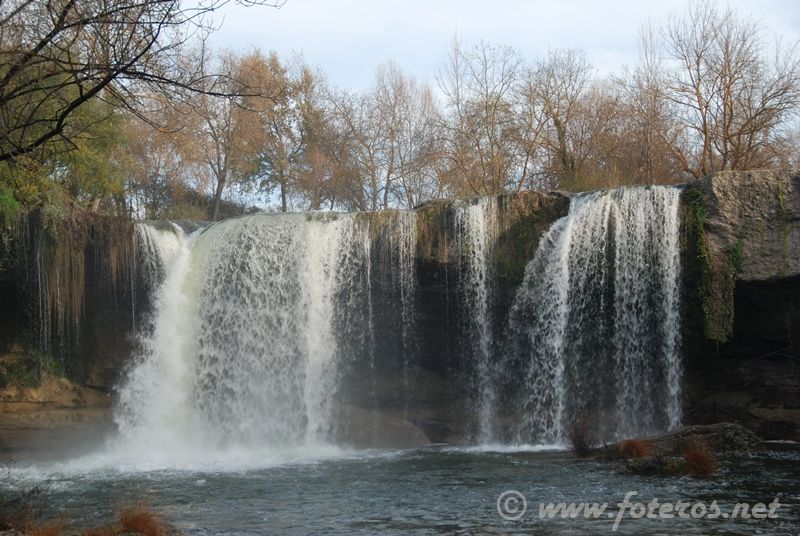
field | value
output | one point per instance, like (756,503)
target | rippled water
(429,491)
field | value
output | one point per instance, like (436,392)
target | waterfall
(476,231)
(264,329)
(152,406)
(406,247)
(595,322)
(394,289)
(156,250)
(254,321)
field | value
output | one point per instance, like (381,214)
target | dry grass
(700,461)
(141,520)
(633,448)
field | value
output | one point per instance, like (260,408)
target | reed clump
(44,530)
(582,437)
(142,520)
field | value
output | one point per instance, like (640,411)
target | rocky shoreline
(58,415)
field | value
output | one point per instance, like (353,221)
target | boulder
(720,437)
(366,428)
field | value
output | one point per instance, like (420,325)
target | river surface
(428,491)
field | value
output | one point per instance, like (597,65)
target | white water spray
(242,351)
(476,229)
(596,318)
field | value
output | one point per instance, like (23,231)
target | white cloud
(349,38)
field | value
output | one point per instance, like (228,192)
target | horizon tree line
(190,131)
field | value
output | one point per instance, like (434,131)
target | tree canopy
(121,106)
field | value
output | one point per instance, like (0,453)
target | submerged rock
(362,428)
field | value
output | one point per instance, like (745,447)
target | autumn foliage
(707,94)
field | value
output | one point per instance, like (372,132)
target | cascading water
(595,323)
(262,327)
(253,322)
(406,248)
(156,250)
(476,229)
(394,287)
(152,405)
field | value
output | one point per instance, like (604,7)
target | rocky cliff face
(67,288)
(742,253)
(521,220)
(758,214)
(747,287)
(438,388)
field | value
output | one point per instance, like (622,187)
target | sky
(348,39)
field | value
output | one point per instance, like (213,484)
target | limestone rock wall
(743,301)
(758,214)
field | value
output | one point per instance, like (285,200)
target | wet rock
(56,415)
(363,428)
(742,366)
(761,394)
(720,437)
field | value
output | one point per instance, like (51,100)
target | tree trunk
(217,199)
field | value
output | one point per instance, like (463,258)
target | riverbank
(57,416)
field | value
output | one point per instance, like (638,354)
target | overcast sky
(347,39)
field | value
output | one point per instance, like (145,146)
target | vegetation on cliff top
(156,125)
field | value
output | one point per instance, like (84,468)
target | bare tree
(227,136)
(406,112)
(596,137)
(55,55)
(328,172)
(650,131)
(481,124)
(561,82)
(731,95)
(166,174)
(390,127)
(285,118)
